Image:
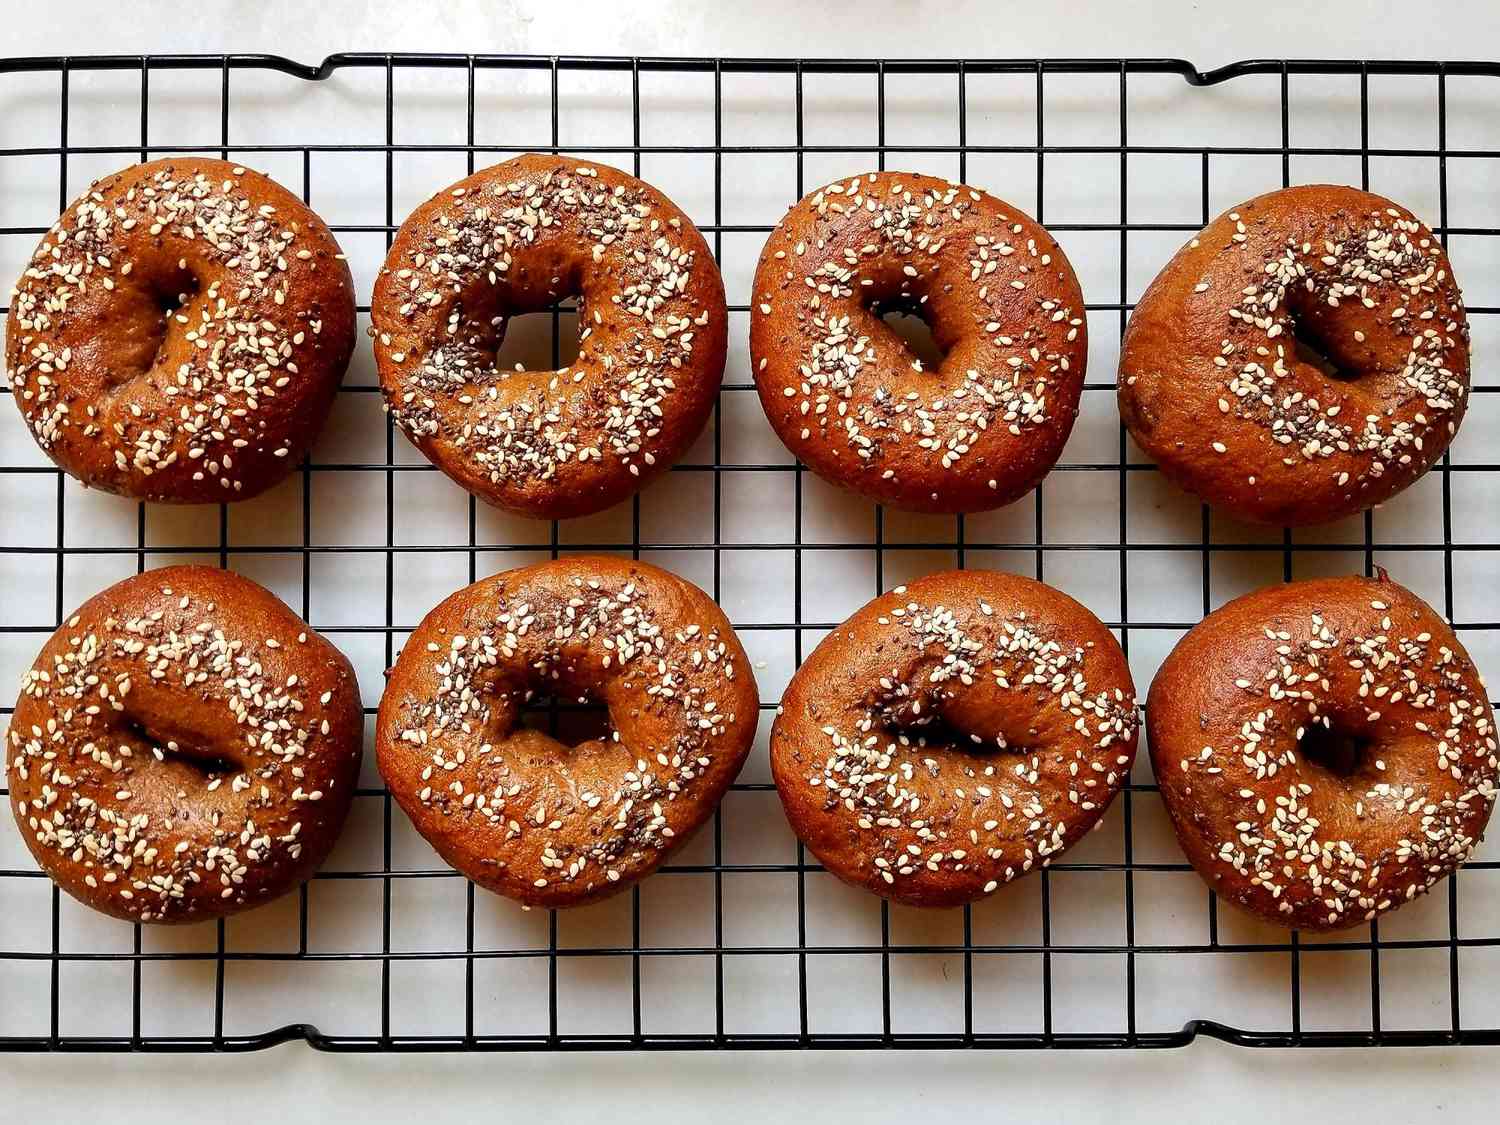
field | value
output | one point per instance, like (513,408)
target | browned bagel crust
(518,811)
(184,747)
(521,236)
(218,400)
(1285,837)
(1037,719)
(843,391)
(1212,387)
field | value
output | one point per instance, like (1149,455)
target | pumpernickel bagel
(953,735)
(846,395)
(1325,749)
(1304,357)
(184,747)
(180,332)
(513,807)
(519,237)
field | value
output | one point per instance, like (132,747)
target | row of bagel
(184,746)
(180,333)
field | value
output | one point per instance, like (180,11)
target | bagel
(953,735)
(180,333)
(845,394)
(1303,358)
(519,237)
(184,747)
(1325,750)
(515,809)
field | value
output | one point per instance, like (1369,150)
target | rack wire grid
(742,940)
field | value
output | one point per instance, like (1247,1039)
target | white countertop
(1210,34)
(292,1082)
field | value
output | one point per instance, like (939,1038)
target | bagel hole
(905,318)
(571,720)
(932,729)
(1334,748)
(158,293)
(540,340)
(175,289)
(1310,348)
(174,748)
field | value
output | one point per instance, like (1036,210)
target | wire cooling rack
(742,941)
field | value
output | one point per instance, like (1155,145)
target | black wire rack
(804,957)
